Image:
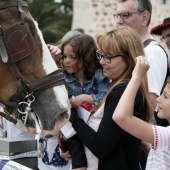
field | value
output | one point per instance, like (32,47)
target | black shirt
(115,148)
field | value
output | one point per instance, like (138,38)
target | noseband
(10,55)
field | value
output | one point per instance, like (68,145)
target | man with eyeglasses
(137,15)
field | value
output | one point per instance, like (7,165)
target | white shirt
(93,122)
(50,159)
(158,67)
(159,156)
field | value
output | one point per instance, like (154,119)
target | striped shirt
(159,156)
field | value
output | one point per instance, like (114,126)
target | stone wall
(96,16)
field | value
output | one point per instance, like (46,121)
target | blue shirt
(96,87)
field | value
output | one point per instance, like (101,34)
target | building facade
(96,16)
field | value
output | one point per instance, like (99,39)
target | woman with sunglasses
(115,148)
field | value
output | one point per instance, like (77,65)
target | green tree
(54,18)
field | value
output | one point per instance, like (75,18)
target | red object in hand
(86,106)
(62,143)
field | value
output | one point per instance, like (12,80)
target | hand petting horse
(32,89)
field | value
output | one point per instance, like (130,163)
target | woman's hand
(55,51)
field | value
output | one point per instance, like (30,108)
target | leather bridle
(25,90)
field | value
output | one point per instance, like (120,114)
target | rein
(10,56)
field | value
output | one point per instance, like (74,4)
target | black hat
(158,29)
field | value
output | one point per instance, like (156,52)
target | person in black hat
(137,15)
(164,31)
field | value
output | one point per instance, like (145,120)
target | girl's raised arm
(123,114)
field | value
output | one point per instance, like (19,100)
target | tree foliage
(54,18)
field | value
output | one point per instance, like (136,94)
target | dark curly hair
(84,48)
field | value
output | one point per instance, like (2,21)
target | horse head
(30,81)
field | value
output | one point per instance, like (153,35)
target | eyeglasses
(106,58)
(124,15)
(165,37)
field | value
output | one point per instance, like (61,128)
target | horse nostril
(63,116)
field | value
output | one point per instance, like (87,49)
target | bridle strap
(21,84)
(54,79)
(8,117)
(14,69)
(21,11)
(12,3)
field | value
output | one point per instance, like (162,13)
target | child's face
(70,60)
(164,104)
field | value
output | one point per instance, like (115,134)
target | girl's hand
(55,51)
(76,101)
(141,67)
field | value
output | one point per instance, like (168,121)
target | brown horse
(31,85)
